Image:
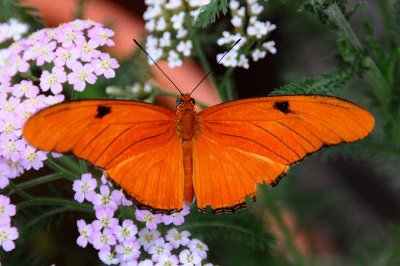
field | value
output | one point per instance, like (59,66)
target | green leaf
(242,227)
(15,9)
(328,84)
(209,13)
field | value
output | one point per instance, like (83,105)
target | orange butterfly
(161,158)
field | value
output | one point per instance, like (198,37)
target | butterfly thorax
(186,117)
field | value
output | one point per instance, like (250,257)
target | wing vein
(276,137)
(295,132)
(130,145)
(251,140)
(90,142)
(111,142)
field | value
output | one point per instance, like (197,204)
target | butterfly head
(185,102)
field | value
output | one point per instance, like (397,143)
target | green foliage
(327,84)
(242,227)
(209,13)
(15,9)
(320,8)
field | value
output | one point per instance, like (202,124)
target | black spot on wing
(282,106)
(103,110)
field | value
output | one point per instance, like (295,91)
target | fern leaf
(209,13)
(328,84)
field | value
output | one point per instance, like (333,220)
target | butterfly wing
(245,142)
(134,142)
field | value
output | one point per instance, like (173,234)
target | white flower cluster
(168,37)
(137,91)
(13,29)
(246,23)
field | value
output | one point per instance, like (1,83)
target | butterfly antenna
(209,72)
(157,65)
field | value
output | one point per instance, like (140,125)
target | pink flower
(7,236)
(159,248)
(101,35)
(84,188)
(80,75)
(12,170)
(105,65)
(147,262)
(147,237)
(20,64)
(188,258)
(32,158)
(85,231)
(25,88)
(177,239)
(171,260)
(4,173)
(176,218)
(102,240)
(10,127)
(67,36)
(79,24)
(196,246)
(127,231)
(6,210)
(66,57)
(8,106)
(89,51)
(5,88)
(45,53)
(107,256)
(10,149)
(105,219)
(104,199)
(151,219)
(53,80)
(128,250)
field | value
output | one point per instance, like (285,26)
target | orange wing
(245,142)
(134,142)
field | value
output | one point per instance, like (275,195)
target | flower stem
(19,191)
(42,217)
(80,9)
(204,62)
(374,75)
(83,166)
(70,162)
(69,204)
(36,182)
(58,168)
(289,241)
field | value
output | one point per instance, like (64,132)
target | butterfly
(162,158)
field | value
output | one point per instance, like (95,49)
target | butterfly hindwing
(245,142)
(134,142)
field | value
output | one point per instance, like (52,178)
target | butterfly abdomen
(188,191)
(186,128)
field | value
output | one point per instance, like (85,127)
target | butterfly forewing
(245,142)
(134,142)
